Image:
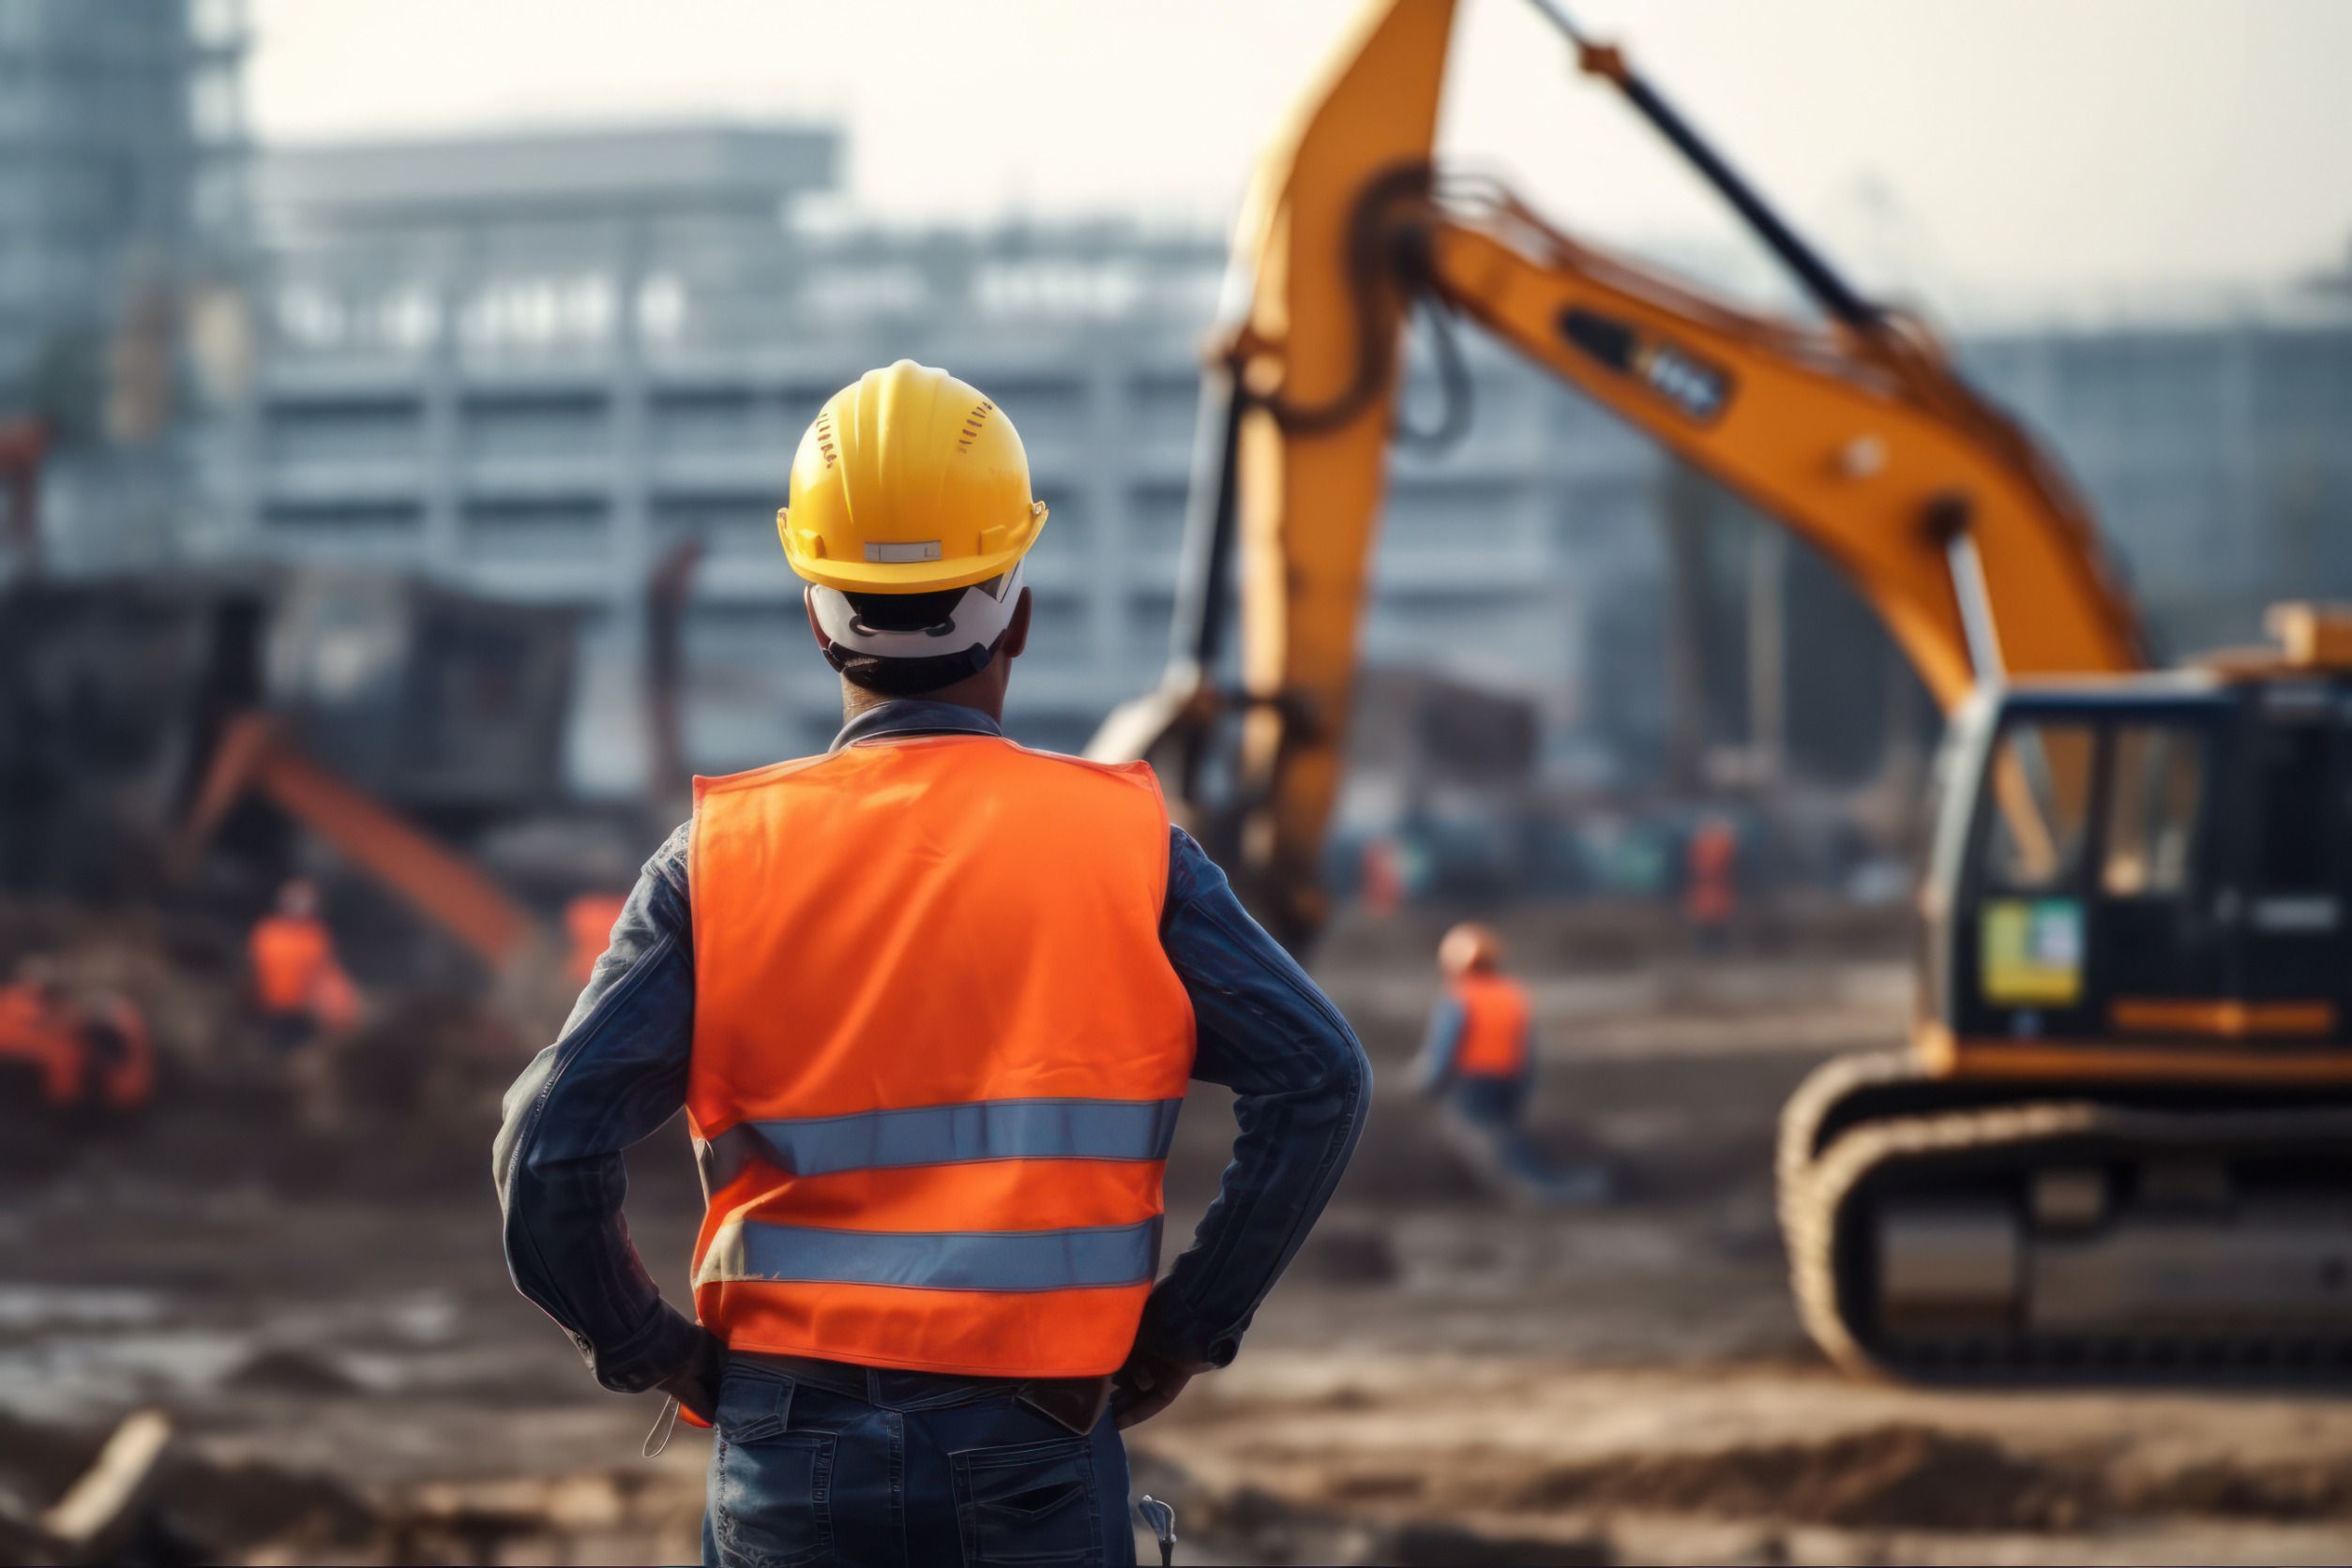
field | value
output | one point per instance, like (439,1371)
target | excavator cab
(2123,1141)
(2144,878)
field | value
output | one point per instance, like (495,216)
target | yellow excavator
(2118,1145)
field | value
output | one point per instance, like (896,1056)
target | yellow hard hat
(908,481)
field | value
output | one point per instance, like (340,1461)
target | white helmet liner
(979,619)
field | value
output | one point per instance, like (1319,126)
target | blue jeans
(932,1471)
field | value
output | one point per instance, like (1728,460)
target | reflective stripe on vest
(1008,1261)
(937,1055)
(1495,1018)
(941,1134)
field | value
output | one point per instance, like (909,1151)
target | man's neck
(973,691)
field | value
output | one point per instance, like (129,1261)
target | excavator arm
(1856,434)
(1870,450)
(443,888)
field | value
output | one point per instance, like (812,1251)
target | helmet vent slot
(973,422)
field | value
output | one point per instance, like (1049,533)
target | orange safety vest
(937,1055)
(1711,898)
(292,958)
(1495,1016)
(33,1032)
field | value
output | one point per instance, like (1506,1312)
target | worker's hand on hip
(1148,1385)
(695,1385)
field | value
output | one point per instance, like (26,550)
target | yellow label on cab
(2029,952)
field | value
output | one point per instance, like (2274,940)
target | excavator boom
(1882,462)
(1857,435)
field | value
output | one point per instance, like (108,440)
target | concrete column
(442,455)
(1103,483)
(630,548)
(1768,645)
(2243,516)
(244,461)
(1682,510)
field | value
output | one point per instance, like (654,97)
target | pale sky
(1981,147)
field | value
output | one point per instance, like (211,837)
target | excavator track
(1978,1232)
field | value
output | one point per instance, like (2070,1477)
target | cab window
(2155,789)
(2041,806)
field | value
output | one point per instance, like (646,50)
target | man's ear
(1017,630)
(809,604)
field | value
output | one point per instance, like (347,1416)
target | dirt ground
(1439,1380)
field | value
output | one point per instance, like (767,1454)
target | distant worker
(300,986)
(1384,878)
(1478,1058)
(72,1054)
(40,1044)
(588,922)
(930,1001)
(1710,895)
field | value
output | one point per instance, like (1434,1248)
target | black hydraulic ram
(1820,280)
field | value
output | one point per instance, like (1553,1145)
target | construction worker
(1710,896)
(1478,1058)
(97,1056)
(40,1034)
(1384,878)
(930,1001)
(300,986)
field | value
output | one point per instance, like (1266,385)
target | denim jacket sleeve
(613,1077)
(1303,1087)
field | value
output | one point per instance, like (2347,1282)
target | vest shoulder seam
(1138,772)
(766,774)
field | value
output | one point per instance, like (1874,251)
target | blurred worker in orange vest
(300,988)
(1384,878)
(38,1034)
(1710,895)
(1478,1057)
(588,921)
(95,1056)
(929,1002)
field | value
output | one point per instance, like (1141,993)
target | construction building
(529,366)
(532,365)
(2215,452)
(124,238)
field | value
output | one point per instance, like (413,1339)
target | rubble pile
(142,1494)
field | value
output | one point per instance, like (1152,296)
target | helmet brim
(902,577)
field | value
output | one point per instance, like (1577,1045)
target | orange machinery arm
(1858,437)
(1869,449)
(444,887)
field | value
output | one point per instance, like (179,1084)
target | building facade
(532,367)
(120,140)
(2219,456)
(123,240)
